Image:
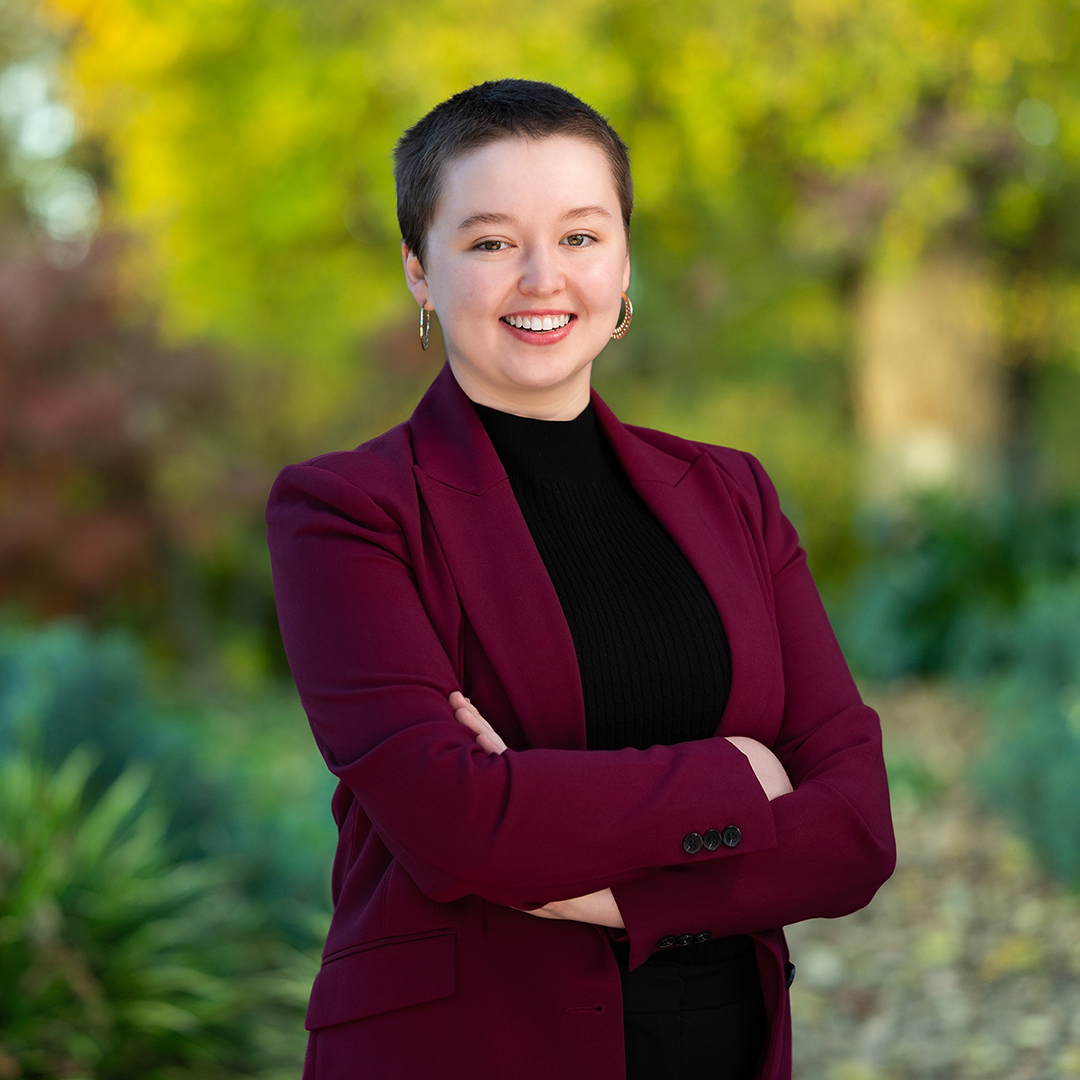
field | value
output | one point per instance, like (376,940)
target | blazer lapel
(502,582)
(690,498)
(505,589)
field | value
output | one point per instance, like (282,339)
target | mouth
(537,324)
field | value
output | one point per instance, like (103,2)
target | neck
(562,402)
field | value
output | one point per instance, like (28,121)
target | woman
(595,739)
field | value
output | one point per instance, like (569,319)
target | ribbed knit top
(654,660)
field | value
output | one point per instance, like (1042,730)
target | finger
(466,713)
(491,743)
(461,704)
(470,718)
(486,736)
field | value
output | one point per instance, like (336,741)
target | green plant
(162,889)
(939,578)
(114,960)
(1031,765)
(988,596)
(239,777)
(62,686)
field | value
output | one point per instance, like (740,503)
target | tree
(791,156)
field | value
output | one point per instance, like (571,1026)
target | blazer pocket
(382,975)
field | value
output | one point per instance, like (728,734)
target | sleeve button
(692,843)
(711,840)
(703,936)
(732,836)
(666,942)
(684,939)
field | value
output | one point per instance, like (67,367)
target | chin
(538,375)
(540,381)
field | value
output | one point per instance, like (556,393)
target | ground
(967,962)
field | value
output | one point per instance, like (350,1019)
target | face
(525,267)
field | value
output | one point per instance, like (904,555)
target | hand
(766,765)
(598,908)
(466,713)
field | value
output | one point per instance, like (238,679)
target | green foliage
(910,778)
(782,152)
(115,961)
(163,886)
(1032,762)
(241,781)
(21,34)
(62,687)
(937,580)
(990,597)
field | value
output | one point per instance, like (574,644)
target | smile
(538,324)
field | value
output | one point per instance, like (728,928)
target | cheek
(604,283)
(473,291)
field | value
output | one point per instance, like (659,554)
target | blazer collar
(451,445)
(449,441)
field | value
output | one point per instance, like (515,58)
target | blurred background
(856,253)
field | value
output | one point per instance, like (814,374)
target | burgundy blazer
(404,570)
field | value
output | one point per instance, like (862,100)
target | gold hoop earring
(425,326)
(620,331)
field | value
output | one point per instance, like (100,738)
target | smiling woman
(526,278)
(595,739)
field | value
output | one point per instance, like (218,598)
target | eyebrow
(505,219)
(586,211)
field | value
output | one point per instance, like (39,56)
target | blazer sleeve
(835,843)
(522,828)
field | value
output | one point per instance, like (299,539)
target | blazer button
(666,942)
(712,840)
(692,843)
(703,936)
(732,836)
(684,939)
(789,974)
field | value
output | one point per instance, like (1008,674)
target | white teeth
(538,324)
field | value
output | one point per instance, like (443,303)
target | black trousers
(695,1017)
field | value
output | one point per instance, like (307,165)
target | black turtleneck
(654,659)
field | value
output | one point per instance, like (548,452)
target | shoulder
(385,458)
(742,480)
(740,470)
(378,474)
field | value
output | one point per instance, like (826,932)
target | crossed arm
(600,907)
(373,670)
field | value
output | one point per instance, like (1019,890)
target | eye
(491,245)
(579,240)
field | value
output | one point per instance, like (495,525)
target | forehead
(534,175)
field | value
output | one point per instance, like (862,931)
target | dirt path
(967,963)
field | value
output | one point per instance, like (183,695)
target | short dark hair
(483,114)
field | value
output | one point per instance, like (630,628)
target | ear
(415,277)
(626,272)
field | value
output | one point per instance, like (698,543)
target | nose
(541,273)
